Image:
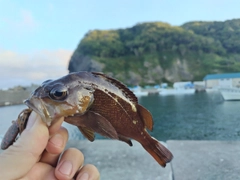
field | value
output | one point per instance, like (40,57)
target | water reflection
(202,116)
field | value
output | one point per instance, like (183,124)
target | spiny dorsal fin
(146,116)
(129,94)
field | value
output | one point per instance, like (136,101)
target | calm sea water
(201,116)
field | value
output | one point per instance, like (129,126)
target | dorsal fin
(129,94)
(146,116)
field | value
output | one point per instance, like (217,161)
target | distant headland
(156,52)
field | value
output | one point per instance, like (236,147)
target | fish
(97,103)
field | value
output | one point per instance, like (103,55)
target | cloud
(22,21)
(27,20)
(34,67)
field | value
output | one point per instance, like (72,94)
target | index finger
(55,126)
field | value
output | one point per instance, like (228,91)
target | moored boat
(179,88)
(176,91)
(138,91)
(230,93)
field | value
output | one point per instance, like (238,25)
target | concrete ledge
(205,160)
(118,161)
(193,160)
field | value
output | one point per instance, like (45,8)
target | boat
(137,90)
(179,88)
(176,91)
(230,93)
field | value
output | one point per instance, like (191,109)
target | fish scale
(119,124)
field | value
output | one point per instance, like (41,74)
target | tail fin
(159,152)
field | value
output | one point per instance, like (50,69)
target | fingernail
(84,176)
(31,120)
(57,140)
(66,168)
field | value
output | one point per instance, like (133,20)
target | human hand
(36,155)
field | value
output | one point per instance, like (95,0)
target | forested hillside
(151,53)
(227,33)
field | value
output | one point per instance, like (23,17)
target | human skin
(36,155)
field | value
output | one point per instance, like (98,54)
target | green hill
(151,53)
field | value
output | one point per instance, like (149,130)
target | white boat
(176,91)
(140,93)
(186,87)
(230,93)
(137,90)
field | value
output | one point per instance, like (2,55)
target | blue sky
(37,38)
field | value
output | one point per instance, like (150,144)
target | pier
(193,160)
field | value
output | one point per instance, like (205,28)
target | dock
(193,160)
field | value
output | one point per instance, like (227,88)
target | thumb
(26,151)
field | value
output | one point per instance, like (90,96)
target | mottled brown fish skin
(130,125)
(125,117)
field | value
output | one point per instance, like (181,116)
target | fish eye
(58,93)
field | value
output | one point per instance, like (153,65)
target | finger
(71,160)
(57,142)
(56,124)
(88,171)
(55,147)
(25,152)
(41,171)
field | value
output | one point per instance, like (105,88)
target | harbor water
(199,116)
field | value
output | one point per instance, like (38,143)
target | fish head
(61,97)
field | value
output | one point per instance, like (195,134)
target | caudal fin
(159,152)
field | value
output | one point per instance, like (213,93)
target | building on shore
(222,80)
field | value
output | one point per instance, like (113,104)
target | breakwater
(16,95)
(13,97)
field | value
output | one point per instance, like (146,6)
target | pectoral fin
(91,121)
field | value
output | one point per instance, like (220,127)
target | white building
(222,80)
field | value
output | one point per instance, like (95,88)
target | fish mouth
(38,106)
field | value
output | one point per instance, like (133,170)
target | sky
(37,38)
